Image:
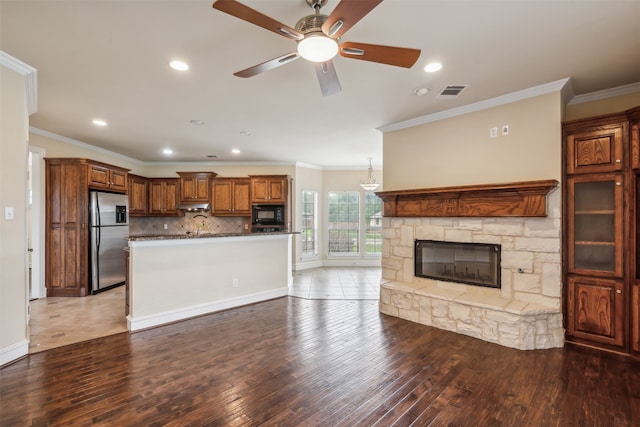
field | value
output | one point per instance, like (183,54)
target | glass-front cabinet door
(595,228)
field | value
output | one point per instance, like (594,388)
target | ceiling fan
(318,38)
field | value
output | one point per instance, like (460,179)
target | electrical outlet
(165,226)
(235,283)
(493,132)
(505,130)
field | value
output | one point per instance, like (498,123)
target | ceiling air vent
(451,91)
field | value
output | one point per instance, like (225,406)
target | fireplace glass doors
(471,263)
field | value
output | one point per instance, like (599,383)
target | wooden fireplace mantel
(527,199)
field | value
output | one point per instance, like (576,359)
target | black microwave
(267,215)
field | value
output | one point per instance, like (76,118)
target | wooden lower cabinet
(596,310)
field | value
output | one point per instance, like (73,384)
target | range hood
(194,207)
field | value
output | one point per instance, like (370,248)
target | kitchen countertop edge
(146,237)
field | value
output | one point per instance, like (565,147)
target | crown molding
(81,144)
(520,95)
(31,79)
(606,93)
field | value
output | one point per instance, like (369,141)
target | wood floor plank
(296,362)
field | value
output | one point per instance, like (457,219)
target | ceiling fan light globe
(317,48)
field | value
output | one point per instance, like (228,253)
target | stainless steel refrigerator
(109,226)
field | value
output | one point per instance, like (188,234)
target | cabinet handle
(618,161)
(618,183)
(618,291)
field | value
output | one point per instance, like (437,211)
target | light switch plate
(8,212)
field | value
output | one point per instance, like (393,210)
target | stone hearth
(525,313)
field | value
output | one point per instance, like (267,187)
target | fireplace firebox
(471,263)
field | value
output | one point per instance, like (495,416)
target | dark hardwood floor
(299,362)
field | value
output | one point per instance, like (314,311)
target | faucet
(198,224)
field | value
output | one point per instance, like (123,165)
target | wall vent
(451,91)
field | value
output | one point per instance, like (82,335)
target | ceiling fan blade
(347,14)
(390,55)
(268,65)
(327,77)
(245,13)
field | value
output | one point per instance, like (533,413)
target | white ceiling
(109,59)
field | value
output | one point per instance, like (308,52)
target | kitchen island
(174,277)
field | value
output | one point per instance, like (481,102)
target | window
(344,223)
(309,222)
(372,224)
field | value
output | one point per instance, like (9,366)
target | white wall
(176,279)
(14,125)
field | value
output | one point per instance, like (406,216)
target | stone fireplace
(522,218)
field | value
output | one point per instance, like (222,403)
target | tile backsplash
(191,222)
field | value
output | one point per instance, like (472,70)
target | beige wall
(14,127)
(602,106)
(459,151)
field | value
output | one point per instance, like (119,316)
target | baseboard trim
(153,320)
(13,352)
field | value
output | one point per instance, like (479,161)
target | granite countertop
(141,237)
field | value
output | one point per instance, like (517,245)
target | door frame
(37,225)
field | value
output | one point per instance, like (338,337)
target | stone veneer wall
(525,313)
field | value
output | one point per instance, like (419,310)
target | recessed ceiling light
(432,67)
(419,91)
(179,65)
(235,151)
(167,151)
(197,122)
(99,122)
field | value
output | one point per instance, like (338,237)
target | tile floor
(337,283)
(59,321)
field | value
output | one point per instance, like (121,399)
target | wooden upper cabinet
(107,177)
(268,188)
(595,145)
(596,310)
(595,224)
(137,195)
(164,195)
(231,197)
(195,187)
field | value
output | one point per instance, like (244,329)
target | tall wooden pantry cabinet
(600,213)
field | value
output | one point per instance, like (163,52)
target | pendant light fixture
(370,183)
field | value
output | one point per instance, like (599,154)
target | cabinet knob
(618,161)
(618,183)
(618,291)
